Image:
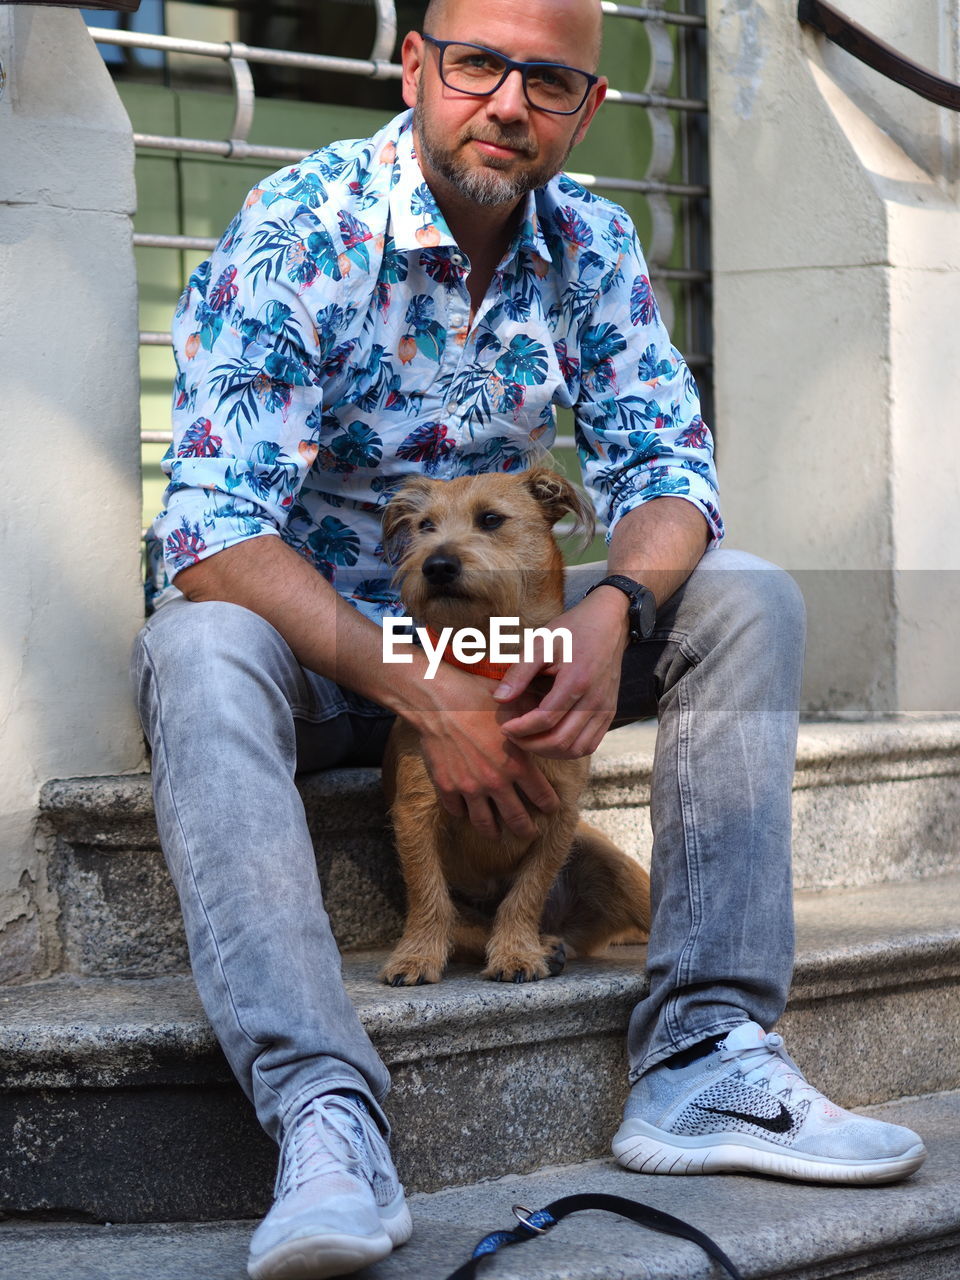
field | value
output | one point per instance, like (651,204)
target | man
(418,303)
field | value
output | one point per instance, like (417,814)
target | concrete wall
(70,600)
(837,258)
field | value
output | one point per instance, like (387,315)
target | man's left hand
(574,715)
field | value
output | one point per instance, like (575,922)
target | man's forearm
(659,544)
(325,633)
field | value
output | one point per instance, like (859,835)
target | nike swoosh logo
(781,1123)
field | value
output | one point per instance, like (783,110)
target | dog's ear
(409,500)
(558,497)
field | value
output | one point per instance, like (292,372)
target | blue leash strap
(538,1223)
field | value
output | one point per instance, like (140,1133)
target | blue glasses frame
(509,65)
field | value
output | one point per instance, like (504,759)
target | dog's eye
(425,526)
(490,520)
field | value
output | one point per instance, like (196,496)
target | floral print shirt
(325,352)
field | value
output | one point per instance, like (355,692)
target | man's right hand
(478,773)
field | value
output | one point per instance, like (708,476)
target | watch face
(643,612)
(649,612)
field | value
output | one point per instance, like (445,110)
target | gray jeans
(231,716)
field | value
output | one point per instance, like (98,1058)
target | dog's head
(481,546)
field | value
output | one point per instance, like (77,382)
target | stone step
(872,802)
(768,1228)
(94,1072)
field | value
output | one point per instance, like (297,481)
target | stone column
(70,601)
(836,222)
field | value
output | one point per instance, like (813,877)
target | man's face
(493,150)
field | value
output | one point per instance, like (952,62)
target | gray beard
(482,186)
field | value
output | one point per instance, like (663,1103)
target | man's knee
(194,647)
(762,590)
(741,596)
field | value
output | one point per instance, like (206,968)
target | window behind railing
(300,77)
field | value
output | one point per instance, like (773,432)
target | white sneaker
(338,1205)
(746,1108)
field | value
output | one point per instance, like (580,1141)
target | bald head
(434,14)
(442,12)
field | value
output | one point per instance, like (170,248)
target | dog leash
(539,1222)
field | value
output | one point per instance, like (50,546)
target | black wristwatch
(642,613)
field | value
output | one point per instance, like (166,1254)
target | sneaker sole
(323,1256)
(643,1149)
(396,1219)
(319,1257)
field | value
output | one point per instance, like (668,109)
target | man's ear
(597,95)
(412,54)
(399,513)
(557,496)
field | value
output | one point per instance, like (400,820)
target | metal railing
(656,185)
(876,53)
(239,56)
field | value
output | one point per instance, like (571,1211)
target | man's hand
(658,544)
(573,717)
(478,773)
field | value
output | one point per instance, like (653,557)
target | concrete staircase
(116,1105)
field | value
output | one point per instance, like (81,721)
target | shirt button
(452,407)
(457,259)
(457,320)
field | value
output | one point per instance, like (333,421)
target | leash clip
(523,1216)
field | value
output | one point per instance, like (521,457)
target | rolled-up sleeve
(638,426)
(247,396)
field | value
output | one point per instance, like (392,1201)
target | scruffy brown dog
(467,550)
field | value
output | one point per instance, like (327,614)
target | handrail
(668,17)
(876,53)
(226,49)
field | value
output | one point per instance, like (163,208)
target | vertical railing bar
(386,36)
(245,94)
(695,214)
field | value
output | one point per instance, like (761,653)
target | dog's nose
(441,568)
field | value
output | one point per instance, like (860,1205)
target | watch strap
(635,593)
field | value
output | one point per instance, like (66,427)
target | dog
(467,550)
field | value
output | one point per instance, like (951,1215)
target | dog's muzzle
(441,569)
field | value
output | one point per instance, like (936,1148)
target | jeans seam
(690,850)
(341,708)
(667,635)
(189,862)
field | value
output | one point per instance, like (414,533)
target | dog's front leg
(518,951)
(422,952)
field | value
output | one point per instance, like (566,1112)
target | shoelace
(769,1061)
(326,1137)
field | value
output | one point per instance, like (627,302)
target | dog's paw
(413,971)
(557,957)
(520,967)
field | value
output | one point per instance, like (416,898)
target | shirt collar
(530,234)
(416,221)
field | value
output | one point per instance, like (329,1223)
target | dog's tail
(601,896)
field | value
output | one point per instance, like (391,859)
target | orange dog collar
(492,670)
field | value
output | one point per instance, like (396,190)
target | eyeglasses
(547,86)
